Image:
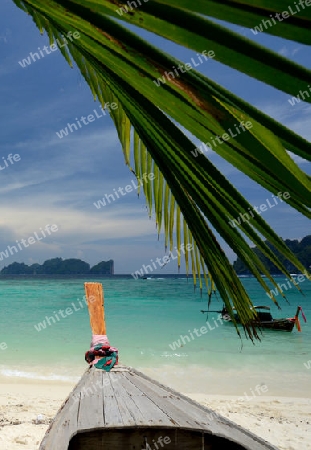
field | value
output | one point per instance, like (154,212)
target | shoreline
(27,407)
(244,382)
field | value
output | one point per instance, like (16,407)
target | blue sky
(57,180)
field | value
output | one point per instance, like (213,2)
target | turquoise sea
(144,318)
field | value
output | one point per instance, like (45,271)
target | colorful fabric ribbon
(303,314)
(101,355)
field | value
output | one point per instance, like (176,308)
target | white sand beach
(26,409)
(283,421)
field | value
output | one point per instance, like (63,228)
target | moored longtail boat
(122,409)
(265,319)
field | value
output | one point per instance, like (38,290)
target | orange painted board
(95,301)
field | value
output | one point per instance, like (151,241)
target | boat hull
(129,438)
(278,324)
(124,409)
(274,324)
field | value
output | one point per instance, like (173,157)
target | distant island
(59,266)
(301,249)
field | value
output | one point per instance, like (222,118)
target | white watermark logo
(239,128)
(302,95)
(259,389)
(283,287)
(125,9)
(183,68)
(279,17)
(9,160)
(24,243)
(86,120)
(198,332)
(246,217)
(307,364)
(48,49)
(109,198)
(62,313)
(95,388)
(157,444)
(146,269)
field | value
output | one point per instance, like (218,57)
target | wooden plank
(203,416)
(115,405)
(95,302)
(152,413)
(147,396)
(65,423)
(112,414)
(66,427)
(131,414)
(119,368)
(174,407)
(138,398)
(149,409)
(91,410)
(192,413)
(219,426)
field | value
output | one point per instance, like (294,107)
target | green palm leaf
(188,195)
(179,22)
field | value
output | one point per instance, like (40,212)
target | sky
(57,180)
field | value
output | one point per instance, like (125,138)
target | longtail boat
(265,320)
(124,409)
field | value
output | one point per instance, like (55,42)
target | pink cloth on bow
(100,339)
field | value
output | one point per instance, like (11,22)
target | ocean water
(144,319)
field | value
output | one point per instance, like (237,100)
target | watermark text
(279,17)
(239,128)
(307,364)
(183,68)
(256,392)
(109,198)
(24,243)
(247,216)
(9,160)
(125,9)
(146,269)
(289,284)
(301,96)
(63,313)
(48,49)
(198,332)
(86,120)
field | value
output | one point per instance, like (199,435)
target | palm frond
(188,195)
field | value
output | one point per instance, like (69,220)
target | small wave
(154,278)
(36,376)
(172,355)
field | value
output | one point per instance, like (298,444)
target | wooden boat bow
(125,409)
